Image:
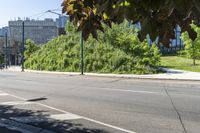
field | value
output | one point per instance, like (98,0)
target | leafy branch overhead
(157,17)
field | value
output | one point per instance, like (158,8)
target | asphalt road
(102,105)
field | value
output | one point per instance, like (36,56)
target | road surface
(86,104)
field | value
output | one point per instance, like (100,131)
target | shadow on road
(69,126)
(37,99)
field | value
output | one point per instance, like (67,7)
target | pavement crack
(176,110)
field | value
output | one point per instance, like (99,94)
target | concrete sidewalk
(171,74)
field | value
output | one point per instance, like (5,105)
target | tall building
(61,23)
(1,44)
(40,31)
(3,32)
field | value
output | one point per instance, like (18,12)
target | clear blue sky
(12,9)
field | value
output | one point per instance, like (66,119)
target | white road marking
(3,94)
(60,117)
(63,117)
(125,90)
(16,103)
(92,120)
(86,118)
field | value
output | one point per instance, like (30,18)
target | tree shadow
(67,126)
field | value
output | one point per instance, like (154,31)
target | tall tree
(157,17)
(192,48)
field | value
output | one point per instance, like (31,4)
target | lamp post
(81,53)
(23,43)
(6,50)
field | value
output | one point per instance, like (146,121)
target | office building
(40,31)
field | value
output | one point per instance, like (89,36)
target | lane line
(60,117)
(91,120)
(3,94)
(133,91)
(86,118)
(12,103)
(125,90)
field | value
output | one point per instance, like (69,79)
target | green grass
(180,63)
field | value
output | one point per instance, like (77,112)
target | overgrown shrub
(30,48)
(117,50)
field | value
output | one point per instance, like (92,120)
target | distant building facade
(3,32)
(40,31)
(61,23)
(1,44)
(8,50)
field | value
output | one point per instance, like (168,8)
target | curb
(126,76)
(170,74)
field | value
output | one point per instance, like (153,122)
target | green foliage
(157,17)
(30,48)
(192,48)
(118,50)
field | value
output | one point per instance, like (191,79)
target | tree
(157,17)
(192,48)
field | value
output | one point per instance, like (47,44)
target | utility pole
(23,43)
(81,53)
(6,50)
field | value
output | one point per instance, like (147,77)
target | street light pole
(23,43)
(6,50)
(81,53)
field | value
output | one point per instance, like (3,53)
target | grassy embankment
(181,63)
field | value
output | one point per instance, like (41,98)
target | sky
(12,9)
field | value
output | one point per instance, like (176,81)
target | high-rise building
(3,33)
(40,31)
(61,23)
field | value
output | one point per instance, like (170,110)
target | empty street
(88,104)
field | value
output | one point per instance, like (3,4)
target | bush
(30,48)
(118,50)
